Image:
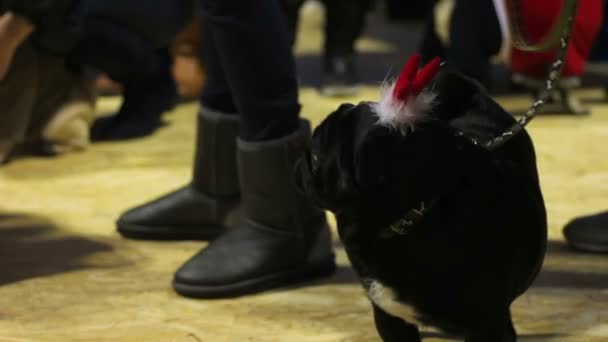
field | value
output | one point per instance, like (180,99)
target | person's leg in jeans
(203,208)
(291,9)
(431,45)
(281,238)
(345,22)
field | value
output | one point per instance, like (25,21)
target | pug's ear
(456,93)
(372,154)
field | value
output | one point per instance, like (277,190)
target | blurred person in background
(466,34)
(530,68)
(587,233)
(472,49)
(129,42)
(123,40)
(47,107)
(344,23)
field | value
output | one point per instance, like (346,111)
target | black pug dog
(440,230)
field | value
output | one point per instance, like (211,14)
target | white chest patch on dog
(386,298)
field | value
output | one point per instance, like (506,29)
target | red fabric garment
(537,17)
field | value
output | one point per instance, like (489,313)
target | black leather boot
(282,239)
(203,208)
(588,233)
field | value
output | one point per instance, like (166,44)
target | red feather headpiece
(406,101)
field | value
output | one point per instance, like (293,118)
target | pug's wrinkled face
(325,172)
(358,166)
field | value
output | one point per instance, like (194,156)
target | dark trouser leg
(283,239)
(292,10)
(344,24)
(144,72)
(254,48)
(431,46)
(217,94)
(156,21)
(474,38)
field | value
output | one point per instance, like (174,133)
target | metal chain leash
(560,33)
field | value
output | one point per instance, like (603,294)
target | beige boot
(65,108)
(68,129)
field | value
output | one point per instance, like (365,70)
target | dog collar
(410,220)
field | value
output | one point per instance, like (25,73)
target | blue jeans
(250,65)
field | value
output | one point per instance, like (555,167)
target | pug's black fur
(480,241)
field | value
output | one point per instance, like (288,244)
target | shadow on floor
(572,280)
(547,278)
(28,250)
(552,278)
(521,337)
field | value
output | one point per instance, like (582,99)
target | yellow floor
(66,275)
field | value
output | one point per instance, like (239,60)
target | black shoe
(282,239)
(588,233)
(339,77)
(141,112)
(202,209)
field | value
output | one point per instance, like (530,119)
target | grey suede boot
(282,239)
(203,208)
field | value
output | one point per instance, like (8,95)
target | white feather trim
(395,114)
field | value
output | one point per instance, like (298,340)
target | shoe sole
(589,247)
(137,232)
(260,284)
